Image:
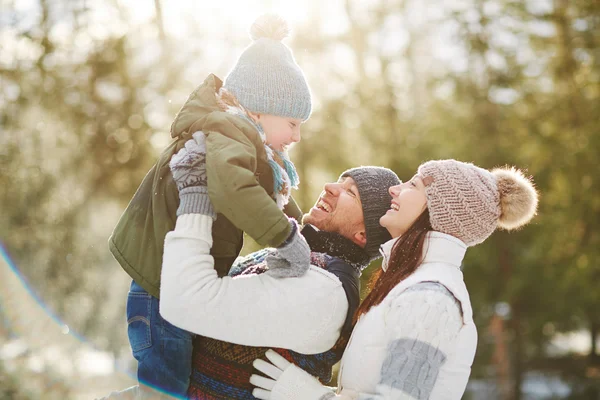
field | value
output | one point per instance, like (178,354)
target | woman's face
(408,203)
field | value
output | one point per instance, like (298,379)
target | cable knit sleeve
(424,323)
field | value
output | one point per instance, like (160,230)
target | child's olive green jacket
(240,186)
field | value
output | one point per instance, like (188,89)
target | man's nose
(332,188)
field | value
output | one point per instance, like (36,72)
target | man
(308,318)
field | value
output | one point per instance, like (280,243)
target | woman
(414,336)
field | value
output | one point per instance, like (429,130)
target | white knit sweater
(303,314)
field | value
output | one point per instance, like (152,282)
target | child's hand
(293,256)
(188,167)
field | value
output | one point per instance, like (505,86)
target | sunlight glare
(236,15)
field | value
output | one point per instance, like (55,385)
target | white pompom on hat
(270,26)
(469,202)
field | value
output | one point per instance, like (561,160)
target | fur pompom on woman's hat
(469,202)
(266,78)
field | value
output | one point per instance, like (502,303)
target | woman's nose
(395,190)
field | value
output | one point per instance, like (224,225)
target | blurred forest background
(88,90)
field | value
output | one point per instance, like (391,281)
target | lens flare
(35,342)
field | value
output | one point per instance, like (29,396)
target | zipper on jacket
(340,387)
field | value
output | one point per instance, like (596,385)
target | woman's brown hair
(405,257)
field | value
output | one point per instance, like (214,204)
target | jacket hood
(199,104)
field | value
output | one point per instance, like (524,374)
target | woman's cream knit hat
(469,202)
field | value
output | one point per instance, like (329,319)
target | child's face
(279,131)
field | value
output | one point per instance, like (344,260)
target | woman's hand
(288,381)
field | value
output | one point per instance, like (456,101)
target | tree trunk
(159,21)
(515,324)
(594,327)
(518,368)
(301,155)
(500,357)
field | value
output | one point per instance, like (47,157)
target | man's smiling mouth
(321,205)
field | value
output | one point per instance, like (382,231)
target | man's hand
(292,258)
(188,167)
(288,382)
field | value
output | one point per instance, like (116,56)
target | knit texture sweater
(419,342)
(222,370)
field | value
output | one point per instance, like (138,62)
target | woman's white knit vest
(367,346)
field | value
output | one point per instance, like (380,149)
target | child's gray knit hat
(373,185)
(266,78)
(469,202)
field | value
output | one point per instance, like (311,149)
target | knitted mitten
(293,256)
(188,167)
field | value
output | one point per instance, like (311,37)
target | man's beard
(320,224)
(329,225)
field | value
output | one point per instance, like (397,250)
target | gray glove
(188,167)
(292,258)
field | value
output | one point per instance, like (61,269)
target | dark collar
(336,245)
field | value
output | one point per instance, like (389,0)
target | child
(248,122)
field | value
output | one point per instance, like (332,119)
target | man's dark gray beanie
(373,184)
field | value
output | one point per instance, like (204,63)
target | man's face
(338,209)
